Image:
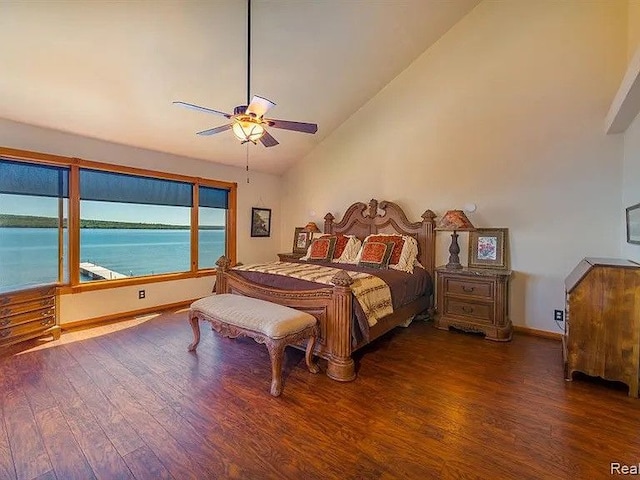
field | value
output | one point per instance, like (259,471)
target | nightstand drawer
(478,311)
(471,288)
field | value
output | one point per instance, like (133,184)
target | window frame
(73,247)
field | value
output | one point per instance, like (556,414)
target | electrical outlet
(141,294)
(558,315)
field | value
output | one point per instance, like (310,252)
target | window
(212,225)
(33,224)
(133,226)
(81,222)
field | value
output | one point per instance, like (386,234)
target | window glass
(119,240)
(33,219)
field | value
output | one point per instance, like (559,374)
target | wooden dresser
(474,300)
(28,314)
(602,321)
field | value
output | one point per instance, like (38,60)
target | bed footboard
(332,307)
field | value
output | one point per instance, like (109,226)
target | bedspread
(371,292)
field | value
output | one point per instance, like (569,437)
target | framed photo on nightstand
(488,248)
(301,240)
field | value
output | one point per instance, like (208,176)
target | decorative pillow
(376,254)
(398,240)
(405,252)
(321,249)
(341,243)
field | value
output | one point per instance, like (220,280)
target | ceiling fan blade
(295,126)
(202,109)
(212,131)
(259,106)
(267,140)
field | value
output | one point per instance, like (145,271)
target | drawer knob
(466,309)
(4,312)
(5,321)
(4,300)
(468,289)
(46,321)
(5,333)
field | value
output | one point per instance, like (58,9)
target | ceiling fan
(248,121)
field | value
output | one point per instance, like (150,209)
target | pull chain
(247,162)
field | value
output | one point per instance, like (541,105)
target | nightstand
(288,257)
(474,300)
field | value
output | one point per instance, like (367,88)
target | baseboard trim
(92,322)
(538,333)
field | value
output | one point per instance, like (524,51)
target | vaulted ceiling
(111,70)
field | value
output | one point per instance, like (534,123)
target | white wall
(262,191)
(631,167)
(505,111)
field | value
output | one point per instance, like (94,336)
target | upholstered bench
(274,325)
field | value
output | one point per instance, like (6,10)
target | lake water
(30,255)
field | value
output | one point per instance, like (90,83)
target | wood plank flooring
(127,401)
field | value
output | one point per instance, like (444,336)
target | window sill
(127,282)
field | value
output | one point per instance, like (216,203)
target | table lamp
(311,228)
(454,221)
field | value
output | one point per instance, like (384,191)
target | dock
(97,272)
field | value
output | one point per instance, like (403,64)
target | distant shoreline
(28,221)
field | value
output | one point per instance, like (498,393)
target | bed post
(328,223)
(429,232)
(429,224)
(221,281)
(341,366)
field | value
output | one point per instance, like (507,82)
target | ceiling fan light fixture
(246,131)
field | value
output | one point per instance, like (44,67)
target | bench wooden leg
(276,352)
(195,326)
(311,365)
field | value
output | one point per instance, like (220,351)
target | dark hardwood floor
(128,401)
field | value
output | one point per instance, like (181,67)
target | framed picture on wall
(633,224)
(260,222)
(301,240)
(488,248)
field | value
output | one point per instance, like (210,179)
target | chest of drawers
(474,300)
(28,314)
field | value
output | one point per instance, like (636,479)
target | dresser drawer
(31,316)
(25,328)
(480,312)
(26,306)
(27,295)
(469,287)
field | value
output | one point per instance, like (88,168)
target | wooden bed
(332,306)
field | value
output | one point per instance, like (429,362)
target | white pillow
(351,251)
(408,256)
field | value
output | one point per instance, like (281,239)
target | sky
(121,212)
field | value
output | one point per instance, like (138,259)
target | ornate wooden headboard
(361,220)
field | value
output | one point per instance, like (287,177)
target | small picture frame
(301,240)
(488,248)
(260,222)
(633,224)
